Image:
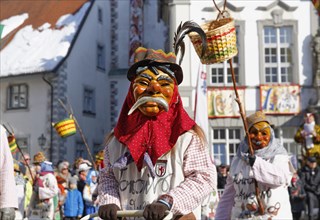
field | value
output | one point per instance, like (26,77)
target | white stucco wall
(193,10)
(82,72)
(30,122)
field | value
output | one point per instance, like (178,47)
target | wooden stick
(70,112)
(12,134)
(243,116)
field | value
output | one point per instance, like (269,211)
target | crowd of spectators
(61,191)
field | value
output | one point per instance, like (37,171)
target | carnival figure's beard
(146,99)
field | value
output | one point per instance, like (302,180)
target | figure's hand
(108,212)
(7,214)
(248,158)
(155,211)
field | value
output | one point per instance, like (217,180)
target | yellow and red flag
(316,4)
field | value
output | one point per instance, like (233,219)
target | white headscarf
(274,148)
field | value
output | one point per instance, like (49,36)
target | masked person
(157,158)
(269,167)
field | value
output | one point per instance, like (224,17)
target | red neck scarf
(154,135)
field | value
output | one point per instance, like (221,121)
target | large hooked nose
(259,136)
(154,87)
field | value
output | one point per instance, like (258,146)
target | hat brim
(174,67)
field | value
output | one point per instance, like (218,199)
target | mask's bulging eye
(143,83)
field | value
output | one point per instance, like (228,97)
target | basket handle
(224,13)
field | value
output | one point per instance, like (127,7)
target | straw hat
(150,57)
(39,158)
(258,116)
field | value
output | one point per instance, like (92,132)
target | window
(17,96)
(278,50)
(80,150)
(220,73)
(225,143)
(278,54)
(101,57)
(22,142)
(89,101)
(100,15)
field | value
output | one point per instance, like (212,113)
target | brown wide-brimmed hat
(149,57)
(258,116)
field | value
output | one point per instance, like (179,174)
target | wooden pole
(243,117)
(12,134)
(70,112)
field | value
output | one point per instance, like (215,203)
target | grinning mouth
(146,99)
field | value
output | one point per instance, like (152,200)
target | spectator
(20,190)
(310,176)
(297,197)
(99,160)
(88,193)
(24,162)
(62,185)
(73,206)
(308,135)
(8,197)
(222,176)
(76,165)
(82,177)
(28,174)
(63,172)
(45,188)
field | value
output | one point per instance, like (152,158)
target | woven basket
(221,41)
(12,144)
(66,127)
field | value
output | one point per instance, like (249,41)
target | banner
(221,102)
(136,27)
(280,99)
(201,105)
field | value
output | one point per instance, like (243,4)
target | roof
(38,35)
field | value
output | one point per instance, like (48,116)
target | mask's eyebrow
(141,69)
(162,77)
(261,129)
(145,76)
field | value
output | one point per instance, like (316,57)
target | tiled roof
(39,11)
